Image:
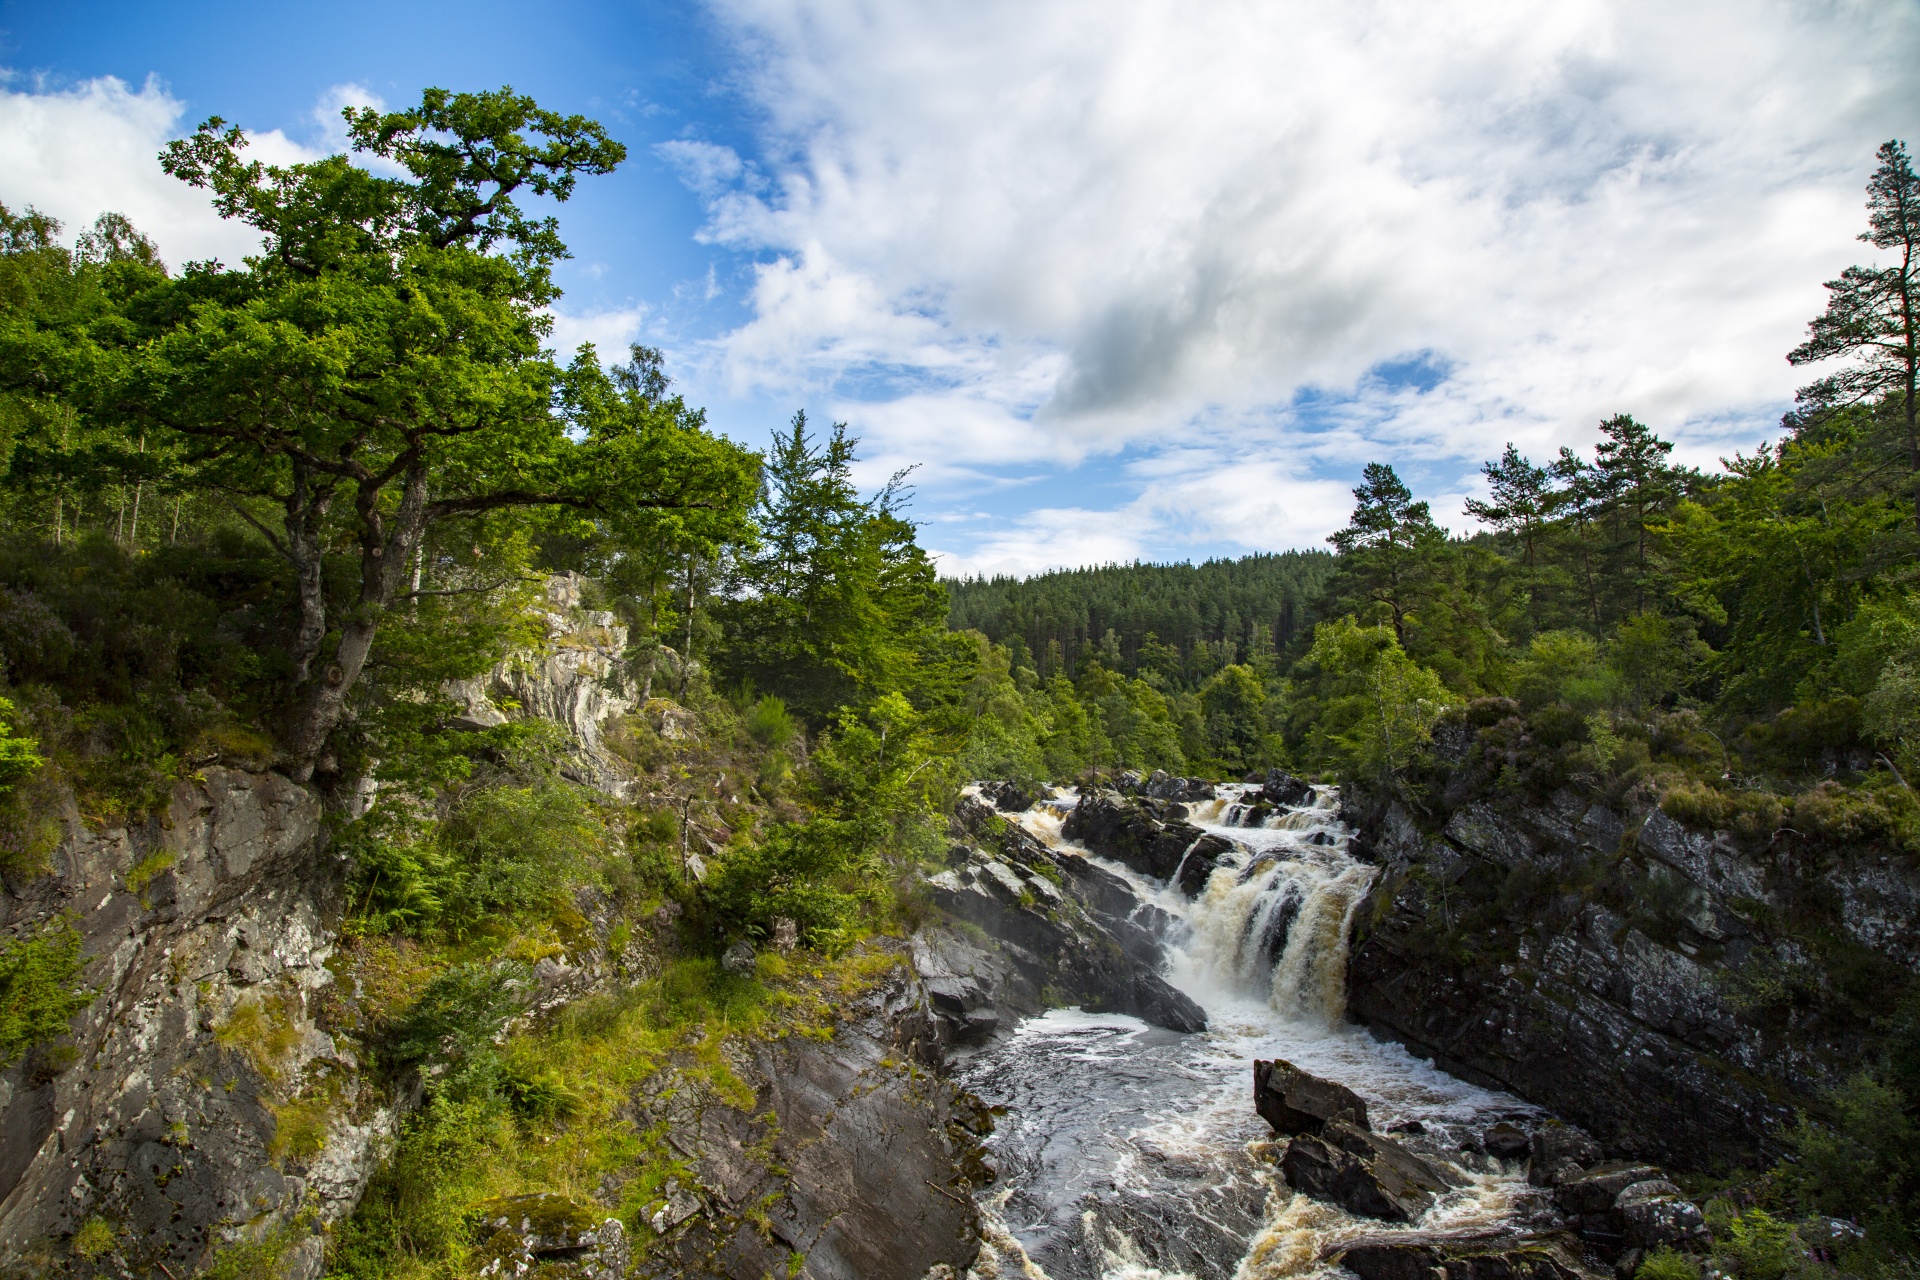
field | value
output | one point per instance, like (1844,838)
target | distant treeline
(1182,621)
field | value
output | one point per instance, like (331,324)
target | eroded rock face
(1628,1024)
(1429,1256)
(169,1113)
(1058,923)
(1151,837)
(866,1171)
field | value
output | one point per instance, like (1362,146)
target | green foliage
(95,1239)
(500,851)
(1862,1164)
(1668,1264)
(837,603)
(1758,1246)
(770,724)
(18,752)
(1175,624)
(1369,708)
(38,995)
(374,377)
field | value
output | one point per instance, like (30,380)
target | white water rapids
(1127,1152)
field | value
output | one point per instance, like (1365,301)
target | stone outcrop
(1367,1174)
(1151,837)
(857,1154)
(576,679)
(1648,1013)
(1059,925)
(166,1112)
(1281,788)
(1500,1255)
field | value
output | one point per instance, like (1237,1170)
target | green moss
(262,1028)
(95,1239)
(147,870)
(300,1128)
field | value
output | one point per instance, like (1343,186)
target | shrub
(1859,815)
(502,850)
(770,723)
(460,1013)
(37,991)
(797,872)
(1668,1264)
(1758,1246)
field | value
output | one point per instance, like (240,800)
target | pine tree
(1871,313)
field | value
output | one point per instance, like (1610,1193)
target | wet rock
(1364,1173)
(1127,832)
(1656,1214)
(1163,786)
(1009,797)
(553,1235)
(1197,865)
(1282,788)
(1415,1255)
(1560,1154)
(1507,1141)
(1294,1101)
(1052,941)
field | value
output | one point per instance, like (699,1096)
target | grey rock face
(1058,923)
(165,1116)
(1411,1255)
(1628,1025)
(868,1167)
(1294,1101)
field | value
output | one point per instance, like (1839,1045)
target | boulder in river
(1364,1173)
(1294,1101)
(1198,863)
(1163,786)
(1283,788)
(1561,1153)
(1421,1255)
(1126,831)
(1009,797)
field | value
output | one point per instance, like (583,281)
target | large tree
(1388,544)
(1871,313)
(379,367)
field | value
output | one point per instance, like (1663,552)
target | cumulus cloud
(94,148)
(1123,224)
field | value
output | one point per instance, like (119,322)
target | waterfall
(1132,1153)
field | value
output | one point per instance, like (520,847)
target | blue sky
(1120,277)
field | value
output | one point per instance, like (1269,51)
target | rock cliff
(1679,992)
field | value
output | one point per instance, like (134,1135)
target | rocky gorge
(1051,1070)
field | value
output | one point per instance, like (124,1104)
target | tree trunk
(306,512)
(384,557)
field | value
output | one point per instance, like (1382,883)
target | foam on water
(1132,1153)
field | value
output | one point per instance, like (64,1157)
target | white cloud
(1097,225)
(1048,538)
(610,332)
(91,149)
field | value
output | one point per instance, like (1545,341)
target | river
(1127,1152)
